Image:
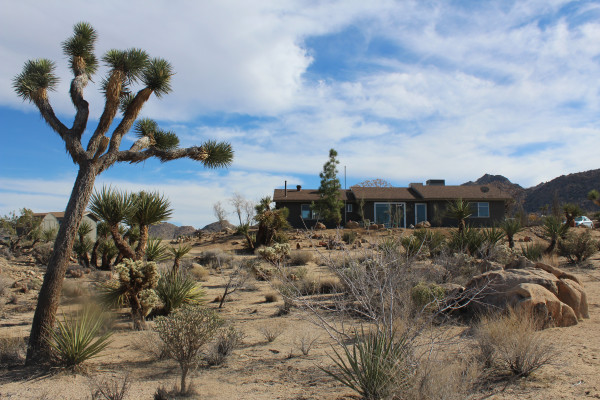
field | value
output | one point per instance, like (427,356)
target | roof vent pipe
(285,190)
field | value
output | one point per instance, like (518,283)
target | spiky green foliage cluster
(78,338)
(36,75)
(82,44)
(131,63)
(554,229)
(157,76)
(149,208)
(459,210)
(156,250)
(175,289)
(111,205)
(162,140)
(511,226)
(376,366)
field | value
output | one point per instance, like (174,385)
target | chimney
(298,188)
(285,190)
(436,182)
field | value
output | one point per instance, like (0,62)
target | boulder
(319,226)
(352,225)
(537,287)
(423,224)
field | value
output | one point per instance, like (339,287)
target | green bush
(427,296)
(469,240)
(72,342)
(376,366)
(533,252)
(435,240)
(175,289)
(412,245)
(349,237)
(577,247)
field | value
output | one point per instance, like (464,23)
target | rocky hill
(168,231)
(572,188)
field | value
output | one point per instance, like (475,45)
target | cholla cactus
(134,285)
(275,254)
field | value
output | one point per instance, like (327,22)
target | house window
(305,211)
(348,207)
(481,210)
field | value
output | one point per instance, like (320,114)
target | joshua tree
(460,210)
(178,253)
(554,229)
(594,196)
(102,234)
(126,68)
(138,210)
(83,244)
(511,227)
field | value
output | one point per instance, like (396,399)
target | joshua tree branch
(195,153)
(78,83)
(112,95)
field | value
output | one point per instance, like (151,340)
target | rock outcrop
(549,292)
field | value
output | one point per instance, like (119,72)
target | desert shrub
(412,245)
(460,267)
(469,240)
(12,350)
(305,341)
(349,237)
(512,342)
(271,298)
(185,332)
(451,378)
(299,257)
(77,338)
(175,289)
(110,388)
(276,253)
(227,340)
(41,254)
(199,272)
(214,259)
(533,251)
(5,284)
(271,331)
(434,240)
(376,366)
(134,286)
(73,289)
(426,297)
(577,247)
(389,245)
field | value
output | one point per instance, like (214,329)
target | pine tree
(330,204)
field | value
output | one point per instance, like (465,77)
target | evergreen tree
(330,204)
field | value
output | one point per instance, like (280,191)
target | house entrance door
(392,215)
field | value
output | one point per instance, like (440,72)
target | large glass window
(420,212)
(480,210)
(305,211)
(390,214)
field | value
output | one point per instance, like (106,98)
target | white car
(584,221)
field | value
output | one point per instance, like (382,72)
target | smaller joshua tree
(511,227)
(134,286)
(460,210)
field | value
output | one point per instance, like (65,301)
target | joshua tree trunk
(94,257)
(511,241)
(124,248)
(137,313)
(49,295)
(140,251)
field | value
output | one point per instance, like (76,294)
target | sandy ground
(276,370)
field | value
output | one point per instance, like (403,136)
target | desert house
(399,206)
(51,220)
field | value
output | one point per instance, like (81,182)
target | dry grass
(199,272)
(271,331)
(512,343)
(73,290)
(306,340)
(301,257)
(12,350)
(271,297)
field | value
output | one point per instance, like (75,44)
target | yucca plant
(156,251)
(377,366)
(554,229)
(77,338)
(460,210)
(178,253)
(533,252)
(175,289)
(511,226)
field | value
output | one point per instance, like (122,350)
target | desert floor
(276,370)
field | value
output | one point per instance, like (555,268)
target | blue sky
(403,90)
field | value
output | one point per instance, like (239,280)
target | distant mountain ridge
(572,188)
(168,231)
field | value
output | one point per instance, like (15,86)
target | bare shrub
(150,344)
(227,340)
(12,350)
(306,340)
(271,331)
(214,259)
(5,284)
(184,333)
(74,289)
(577,247)
(199,272)
(41,254)
(511,342)
(300,257)
(110,388)
(447,379)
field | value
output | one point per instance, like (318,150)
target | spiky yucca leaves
(175,289)
(156,251)
(77,338)
(160,139)
(459,210)
(157,76)
(131,63)
(377,366)
(80,49)
(511,226)
(178,253)
(37,77)
(554,229)
(111,205)
(149,208)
